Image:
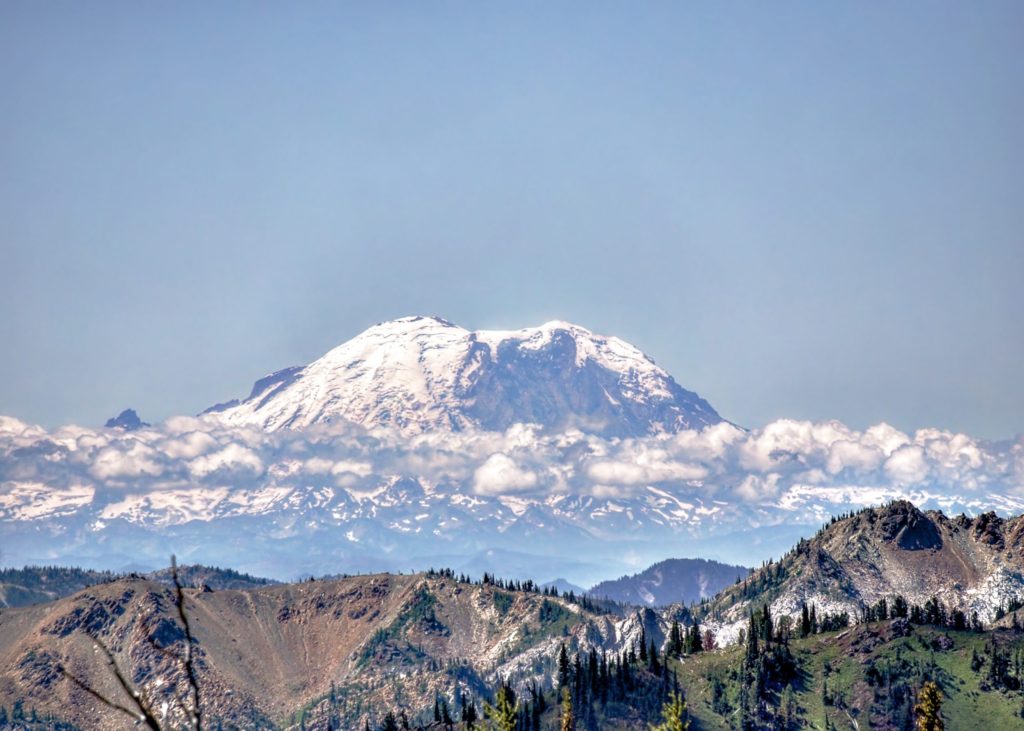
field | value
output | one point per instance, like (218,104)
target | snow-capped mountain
(424,373)
(535,453)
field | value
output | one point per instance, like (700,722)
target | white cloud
(500,475)
(349,467)
(189,445)
(755,488)
(907,465)
(710,443)
(854,455)
(133,459)
(885,438)
(643,471)
(318,466)
(232,458)
(721,462)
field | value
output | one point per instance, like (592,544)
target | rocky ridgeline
(971,564)
(264,654)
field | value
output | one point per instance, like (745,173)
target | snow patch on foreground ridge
(974,565)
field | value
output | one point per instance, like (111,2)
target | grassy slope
(965,705)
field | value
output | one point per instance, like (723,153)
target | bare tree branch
(193,681)
(134,715)
(142,712)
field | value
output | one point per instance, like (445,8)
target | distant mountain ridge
(40,584)
(423,373)
(672,581)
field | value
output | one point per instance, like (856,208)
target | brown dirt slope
(265,653)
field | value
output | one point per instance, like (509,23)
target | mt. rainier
(535,453)
(424,373)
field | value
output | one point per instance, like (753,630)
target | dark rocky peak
(127,420)
(902,524)
(988,529)
(960,522)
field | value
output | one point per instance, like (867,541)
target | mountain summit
(423,373)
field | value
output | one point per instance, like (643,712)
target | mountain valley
(346,652)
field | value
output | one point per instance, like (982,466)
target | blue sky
(811,210)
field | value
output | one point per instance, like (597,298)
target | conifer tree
(653,664)
(563,668)
(752,650)
(709,640)
(675,640)
(504,713)
(673,714)
(469,716)
(568,721)
(928,708)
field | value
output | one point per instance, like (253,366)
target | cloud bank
(767,467)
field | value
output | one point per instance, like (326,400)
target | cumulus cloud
(847,454)
(500,474)
(234,458)
(318,466)
(755,488)
(643,472)
(188,445)
(133,459)
(351,467)
(907,465)
(798,459)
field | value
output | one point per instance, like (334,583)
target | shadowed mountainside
(672,581)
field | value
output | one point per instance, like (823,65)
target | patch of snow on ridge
(35,501)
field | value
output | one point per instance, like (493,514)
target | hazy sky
(812,210)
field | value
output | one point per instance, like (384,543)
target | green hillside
(862,678)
